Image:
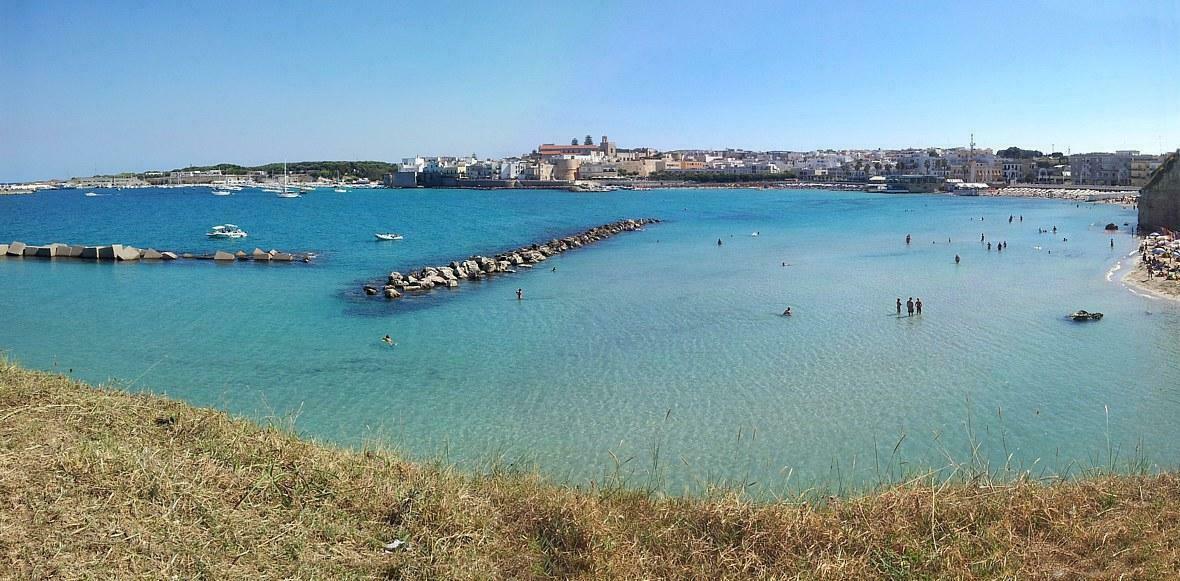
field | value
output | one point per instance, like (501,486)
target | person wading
(909,306)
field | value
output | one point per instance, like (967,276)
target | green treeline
(374,170)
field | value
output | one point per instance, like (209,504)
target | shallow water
(651,340)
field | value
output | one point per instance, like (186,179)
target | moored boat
(388,236)
(226,231)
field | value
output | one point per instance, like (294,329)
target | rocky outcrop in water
(479,267)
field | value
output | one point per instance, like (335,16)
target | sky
(102,87)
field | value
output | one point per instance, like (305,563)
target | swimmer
(787,312)
(388,340)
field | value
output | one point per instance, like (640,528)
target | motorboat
(91,195)
(1085,316)
(287,194)
(388,236)
(222,193)
(341,191)
(226,231)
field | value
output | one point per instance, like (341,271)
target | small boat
(226,231)
(287,195)
(341,191)
(1085,316)
(388,236)
(91,195)
(222,193)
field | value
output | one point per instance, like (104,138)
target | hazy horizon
(118,87)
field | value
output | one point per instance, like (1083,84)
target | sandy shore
(1137,277)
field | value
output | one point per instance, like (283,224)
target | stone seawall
(478,267)
(124,253)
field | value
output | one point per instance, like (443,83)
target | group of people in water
(911,306)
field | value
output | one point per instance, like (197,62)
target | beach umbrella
(1157,251)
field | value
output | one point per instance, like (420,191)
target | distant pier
(478,267)
(125,253)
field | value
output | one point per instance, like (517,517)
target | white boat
(91,195)
(222,193)
(341,191)
(233,188)
(226,231)
(388,236)
(283,191)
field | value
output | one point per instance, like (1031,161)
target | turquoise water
(650,340)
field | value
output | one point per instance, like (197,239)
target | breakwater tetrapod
(477,267)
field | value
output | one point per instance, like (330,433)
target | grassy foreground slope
(103,484)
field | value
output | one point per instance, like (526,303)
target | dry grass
(103,484)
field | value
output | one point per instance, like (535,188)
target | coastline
(1136,277)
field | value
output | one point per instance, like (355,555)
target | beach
(1160,283)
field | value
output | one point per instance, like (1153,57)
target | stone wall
(1159,202)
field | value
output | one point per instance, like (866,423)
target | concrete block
(187,255)
(92,251)
(16,249)
(151,254)
(169,255)
(31,250)
(45,251)
(222,255)
(282,257)
(75,251)
(109,252)
(3,249)
(258,254)
(128,253)
(240,255)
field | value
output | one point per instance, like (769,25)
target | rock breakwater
(124,253)
(478,267)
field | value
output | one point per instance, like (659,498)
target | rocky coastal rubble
(477,267)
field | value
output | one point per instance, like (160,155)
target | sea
(657,358)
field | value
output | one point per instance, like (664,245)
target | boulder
(452,283)
(222,255)
(436,280)
(240,255)
(16,249)
(152,254)
(392,293)
(259,254)
(3,249)
(169,255)
(446,272)
(370,290)
(128,253)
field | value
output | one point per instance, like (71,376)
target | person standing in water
(899,306)
(719,242)
(918,305)
(909,306)
(981,237)
(956,262)
(907,238)
(1112,242)
(519,294)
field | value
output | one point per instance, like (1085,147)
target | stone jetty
(124,253)
(479,267)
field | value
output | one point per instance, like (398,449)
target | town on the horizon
(588,164)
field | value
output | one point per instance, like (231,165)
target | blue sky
(93,87)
